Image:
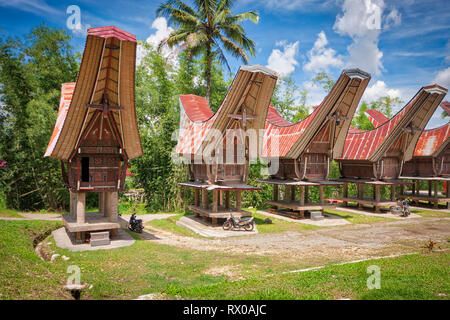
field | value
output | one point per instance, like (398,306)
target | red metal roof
(430,140)
(196,108)
(64,103)
(280,134)
(112,32)
(376,117)
(195,121)
(361,145)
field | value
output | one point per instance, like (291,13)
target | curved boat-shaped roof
(289,140)
(372,144)
(247,98)
(431,141)
(107,68)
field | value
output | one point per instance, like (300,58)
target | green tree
(324,80)
(385,105)
(360,120)
(206,29)
(289,102)
(32,69)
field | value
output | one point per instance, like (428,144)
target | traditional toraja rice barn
(376,157)
(96,132)
(218,147)
(300,153)
(430,163)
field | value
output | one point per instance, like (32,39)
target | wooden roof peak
(105,81)
(247,100)
(289,140)
(411,120)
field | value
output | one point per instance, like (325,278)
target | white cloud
(320,57)
(380,89)
(362,21)
(443,78)
(38,7)
(162,32)
(284,62)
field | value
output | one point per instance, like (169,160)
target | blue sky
(403,44)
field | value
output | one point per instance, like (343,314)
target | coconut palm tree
(206,28)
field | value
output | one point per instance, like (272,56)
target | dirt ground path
(339,243)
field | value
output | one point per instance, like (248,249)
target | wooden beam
(238,200)
(393,193)
(215,204)
(205,199)
(197,197)
(321,199)
(302,195)
(81,207)
(275,192)
(292,193)
(227,199)
(306,194)
(345,193)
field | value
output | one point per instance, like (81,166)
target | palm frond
(253,16)
(234,49)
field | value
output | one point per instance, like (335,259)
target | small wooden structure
(96,132)
(219,147)
(300,154)
(376,157)
(430,163)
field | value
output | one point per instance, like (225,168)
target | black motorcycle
(135,225)
(247,223)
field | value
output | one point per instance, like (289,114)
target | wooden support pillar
(205,199)
(73,203)
(447,192)
(220,198)
(287,192)
(238,200)
(360,187)
(377,197)
(321,200)
(275,192)
(292,193)
(345,193)
(436,201)
(402,189)
(302,195)
(413,191)
(393,192)
(429,188)
(111,202)
(227,199)
(81,207)
(197,197)
(418,187)
(215,203)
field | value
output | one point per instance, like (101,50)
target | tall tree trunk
(208,70)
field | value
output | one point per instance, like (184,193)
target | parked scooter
(247,223)
(402,208)
(135,225)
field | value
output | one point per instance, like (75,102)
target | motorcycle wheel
(249,226)
(226,225)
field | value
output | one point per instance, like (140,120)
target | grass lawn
(357,218)
(170,224)
(149,267)
(431,214)
(9,213)
(122,273)
(408,277)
